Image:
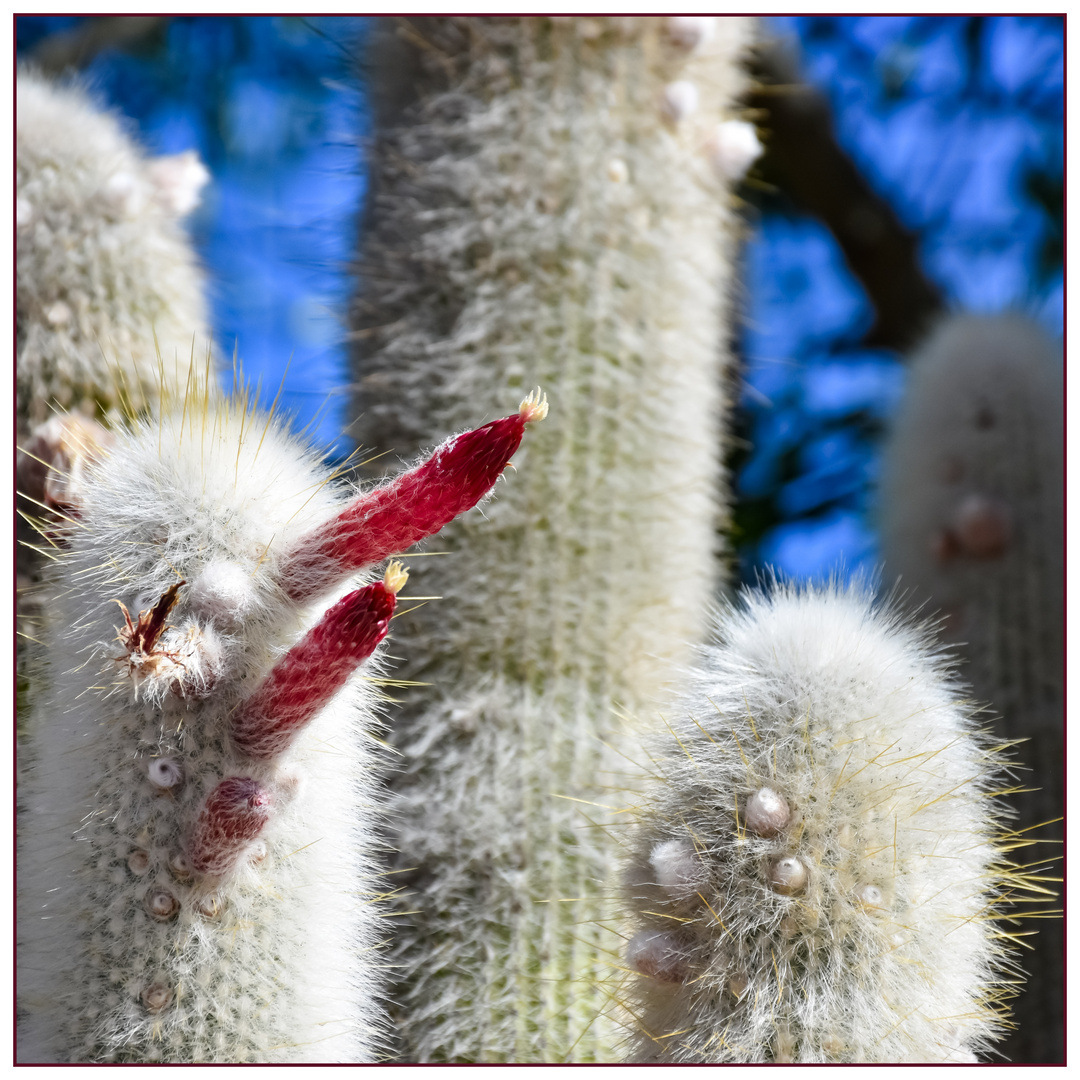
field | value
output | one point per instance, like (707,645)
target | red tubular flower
(314,669)
(416,504)
(234,814)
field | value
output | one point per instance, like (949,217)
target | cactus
(552,199)
(87,324)
(102,265)
(109,297)
(815,868)
(197,846)
(972,524)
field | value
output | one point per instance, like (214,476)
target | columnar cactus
(816,865)
(109,296)
(550,197)
(972,525)
(197,847)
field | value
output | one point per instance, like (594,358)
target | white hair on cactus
(613,295)
(239,974)
(850,917)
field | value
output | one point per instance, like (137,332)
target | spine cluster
(972,525)
(550,201)
(197,848)
(817,862)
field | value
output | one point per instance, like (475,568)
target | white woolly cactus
(545,209)
(196,864)
(105,278)
(109,298)
(972,524)
(815,870)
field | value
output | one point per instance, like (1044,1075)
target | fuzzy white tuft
(733,148)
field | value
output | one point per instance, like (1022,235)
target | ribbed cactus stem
(196,865)
(815,868)
(540,214)
(99,332)
(972,524)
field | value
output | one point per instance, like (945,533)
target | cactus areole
(196,872)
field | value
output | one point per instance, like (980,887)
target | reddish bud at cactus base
(310,673)
(233,815)
(412,506)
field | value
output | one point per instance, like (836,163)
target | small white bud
(156,997)
(678,869)
(139,861)
(659,955)
(617,171)
(224,592)
(732,149)
(59,314)
(165,772)
(869,895)
(767,812)
(178,180)
(680,100)
(180,866)
(161,904)
(690,31)
(788,875)
(24,213)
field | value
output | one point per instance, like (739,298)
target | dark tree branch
(804,160)
(75,48)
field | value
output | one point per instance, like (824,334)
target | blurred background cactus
(545,207)
(918,168)
(972,523)
(109,296)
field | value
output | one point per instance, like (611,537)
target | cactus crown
(817,871)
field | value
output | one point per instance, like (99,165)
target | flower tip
(534,407)
(395,577)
